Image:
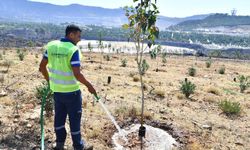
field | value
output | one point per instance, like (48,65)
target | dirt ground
(197,123)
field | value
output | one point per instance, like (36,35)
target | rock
(207,127)
(29,125)
(162,111)
(18,137)
(16,120)
(3,93)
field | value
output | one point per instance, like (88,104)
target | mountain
(214,21)
(29,11)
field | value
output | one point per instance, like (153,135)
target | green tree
(142,28)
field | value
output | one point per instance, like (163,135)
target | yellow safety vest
(61,77)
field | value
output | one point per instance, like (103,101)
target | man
(63,74)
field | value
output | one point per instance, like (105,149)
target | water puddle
(155,139)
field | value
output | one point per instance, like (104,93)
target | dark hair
(72,28)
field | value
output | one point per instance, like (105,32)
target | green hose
(41,116)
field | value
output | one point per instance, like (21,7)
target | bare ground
(197,123)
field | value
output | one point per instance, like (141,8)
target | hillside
(212,21)
(20,11)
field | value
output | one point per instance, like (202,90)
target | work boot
(58,146)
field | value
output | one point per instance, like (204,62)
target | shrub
(21,56)
(145,66)
(40,92)
(107,57)
(124,62)
(244,83)
(192,71)
(208,63)
(153,54)
(187,88)
(18,51)
(230,108)
(36,55)
(222,70)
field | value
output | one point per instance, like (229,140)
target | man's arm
(43,68)
(79,76)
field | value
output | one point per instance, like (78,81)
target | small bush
(230,108)
(244,83)
(18,51)
(21,56)
(187,88)
(144,66)
(192,71)
(124,62)
(208,63)
(40,91)
(107,57)
(222,70)
(153,54)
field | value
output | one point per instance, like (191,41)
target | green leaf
(125,26)
(155,7)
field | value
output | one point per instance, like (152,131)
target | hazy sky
(172,8)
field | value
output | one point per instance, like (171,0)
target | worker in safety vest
(62,58)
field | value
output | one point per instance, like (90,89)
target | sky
(171,8)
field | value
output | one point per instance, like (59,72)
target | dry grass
(213,90)
(211,98)
(159,92)
(180,96)
(124,93)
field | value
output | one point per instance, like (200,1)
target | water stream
(120,131)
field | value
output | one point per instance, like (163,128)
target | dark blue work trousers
(68,104)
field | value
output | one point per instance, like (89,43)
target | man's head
(73,33)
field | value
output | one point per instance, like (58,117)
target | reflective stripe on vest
(62,73)
(63,82)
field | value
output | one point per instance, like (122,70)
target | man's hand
(43,69)
(79,76)
(92,90)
